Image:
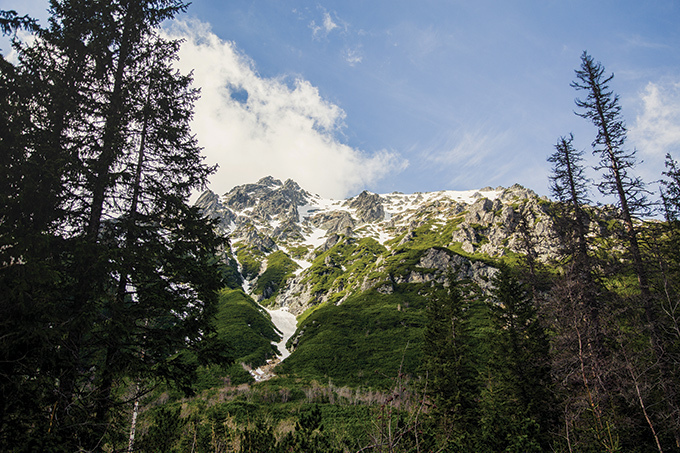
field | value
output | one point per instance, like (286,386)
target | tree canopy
(107,275)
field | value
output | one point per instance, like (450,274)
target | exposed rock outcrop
(368,207)
(209,203)
(338,222)
(273,215)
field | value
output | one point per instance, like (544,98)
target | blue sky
(422,95)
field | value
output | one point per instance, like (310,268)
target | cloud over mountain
(253,125)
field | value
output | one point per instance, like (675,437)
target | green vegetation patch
(299,251)
(279,269)
(342,267)
(362,341)
(251,260)
(246,327)
(432,233)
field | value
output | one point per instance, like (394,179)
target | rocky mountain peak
(209,202)
(368,207)
(269,181)
(270,216)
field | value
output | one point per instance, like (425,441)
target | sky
(427,95)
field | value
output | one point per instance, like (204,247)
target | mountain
(478,299)
(362,267)
(279,232)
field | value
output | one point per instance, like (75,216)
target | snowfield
(286,324)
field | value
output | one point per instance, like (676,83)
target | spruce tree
(448,362)
(110,274)
(569,186)
(670,193)
(601,107)
(517,405)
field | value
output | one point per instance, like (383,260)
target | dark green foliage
(488,370)
(309,435)
(164,432)
(361,341)
(279,268)
(258,438)
(449,362)
(230,274)
(245,327)
(10,22)
(110,275)
(519,386)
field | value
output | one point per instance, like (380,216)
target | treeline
(587,356)
(108,278)
(599,370)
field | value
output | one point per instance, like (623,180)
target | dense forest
(124,325)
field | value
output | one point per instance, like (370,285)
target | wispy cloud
(465,148)
(325,27)
(328,23)
(463,154)
(353,56)
(644,43)
(254,126)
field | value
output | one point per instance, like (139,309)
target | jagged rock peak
(208,200)
(368,207)
(266,189)
(292,185)
(269,181)
(517,191)
(209,203)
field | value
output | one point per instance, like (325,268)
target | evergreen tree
(10,22)
(448,361)
(109,273)
(670,193)
(601,107)
(569,186)
(517,408)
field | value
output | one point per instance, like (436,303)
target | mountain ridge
(287,241)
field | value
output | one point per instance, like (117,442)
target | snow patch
(304,264)
(286,324)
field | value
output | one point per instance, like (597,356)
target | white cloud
(657,127)
(316,30)
(254,126)
(328,23)
(320,31)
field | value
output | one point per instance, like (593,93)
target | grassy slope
(247,329)
(279,268)
(362,341)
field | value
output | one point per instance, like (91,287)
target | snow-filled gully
(285,323)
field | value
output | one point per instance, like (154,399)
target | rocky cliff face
(373,241)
